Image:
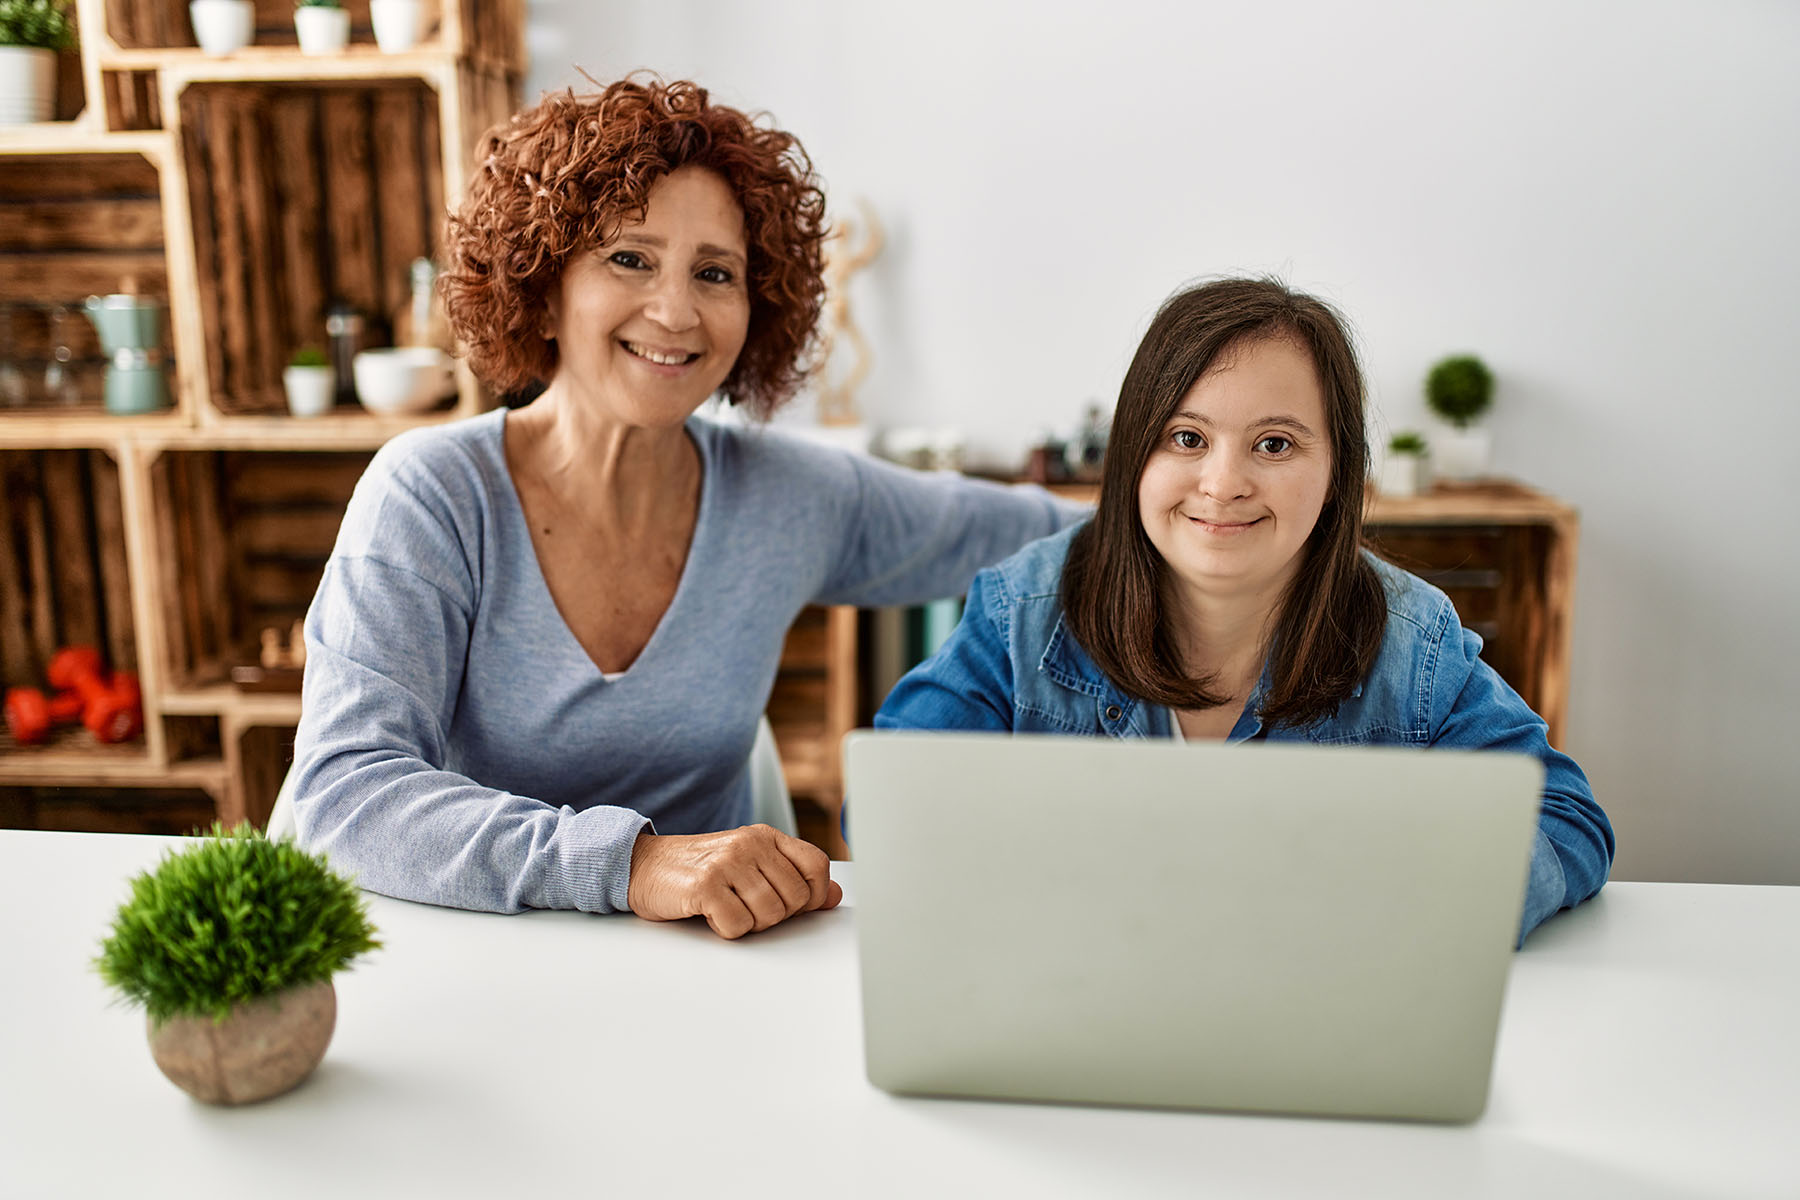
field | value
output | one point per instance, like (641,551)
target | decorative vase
(398,24)
(1461,454)
(1402,474)
(321,30)
(264,1048)
(27,85)
(311,391)
(223,26)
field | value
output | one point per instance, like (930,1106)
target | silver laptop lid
(1263,927)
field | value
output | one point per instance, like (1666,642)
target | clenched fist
(740,880)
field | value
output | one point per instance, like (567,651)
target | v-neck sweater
(458,745)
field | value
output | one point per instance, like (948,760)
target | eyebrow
(1260,423)
(706,248)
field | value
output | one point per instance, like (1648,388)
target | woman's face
(650,324)
(1240,474)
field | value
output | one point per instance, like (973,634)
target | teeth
(667,360)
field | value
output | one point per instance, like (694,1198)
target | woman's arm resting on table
(740,880)
(1474,709)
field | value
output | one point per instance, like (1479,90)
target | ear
(551,317)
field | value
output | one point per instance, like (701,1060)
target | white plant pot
(1461,454)
(311,391)
(399,24)
(1401,475)
(223,26)
(27,85)
(322,30)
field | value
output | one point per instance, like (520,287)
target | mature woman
(1221,590)
(539,654)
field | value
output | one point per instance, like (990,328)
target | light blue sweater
(458,746)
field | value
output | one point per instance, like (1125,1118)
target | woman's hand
(740,880)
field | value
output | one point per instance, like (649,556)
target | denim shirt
(1012,665)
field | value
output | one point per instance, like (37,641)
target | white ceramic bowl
(402,379)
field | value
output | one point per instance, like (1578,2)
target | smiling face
(1235,484)
(648,325)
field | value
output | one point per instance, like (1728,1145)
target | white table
(1648,1050)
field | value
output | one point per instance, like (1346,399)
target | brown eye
(1275,445)
(1187,439)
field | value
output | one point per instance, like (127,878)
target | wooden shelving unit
(243,192)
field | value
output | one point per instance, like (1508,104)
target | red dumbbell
(112,713)
(30,715)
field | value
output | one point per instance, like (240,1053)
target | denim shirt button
(1113,712)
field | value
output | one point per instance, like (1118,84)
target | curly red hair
(562,177)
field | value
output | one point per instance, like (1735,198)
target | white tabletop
(1648,1050)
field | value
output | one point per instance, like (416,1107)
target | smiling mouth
(1226,528)
(662,358)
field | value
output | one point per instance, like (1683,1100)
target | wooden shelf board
(75,137)
(350,431)
(35,428)
(247,708)
(283,64)
(1490,502)
(70,770)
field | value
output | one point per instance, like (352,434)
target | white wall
(1601,197)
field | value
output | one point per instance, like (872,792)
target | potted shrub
(223,26)
(230,947)
(31,34)
(310,382)
(322,26)
(1403,470)
(1460,390)
(399,24)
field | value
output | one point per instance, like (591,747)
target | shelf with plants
(239,196)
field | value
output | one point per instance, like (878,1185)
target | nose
(671,304)
(1227,475)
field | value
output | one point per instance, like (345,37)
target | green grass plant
(1407,442)
(309,356)
(232,919)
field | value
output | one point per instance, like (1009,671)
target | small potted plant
(32,32)
(310,382)
(1460,390)
(230,947)
(322,26)
(399,24)
(223,26)
(1403,470)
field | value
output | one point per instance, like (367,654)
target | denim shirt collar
(1068,665)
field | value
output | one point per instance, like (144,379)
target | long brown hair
(1334,612)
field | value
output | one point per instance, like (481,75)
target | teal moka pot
(130,329)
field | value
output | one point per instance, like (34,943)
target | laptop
(1254,927)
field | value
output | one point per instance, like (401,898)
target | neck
(614,475)
(1223,632)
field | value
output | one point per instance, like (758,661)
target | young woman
(1222,591)
(542,631)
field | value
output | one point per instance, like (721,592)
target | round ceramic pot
(223,26)
(399,24)
(264,1048)
(1401,475)
(1461,454)
(27,85)
(322,30)
(311,391)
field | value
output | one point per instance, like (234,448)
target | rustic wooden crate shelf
(173,539)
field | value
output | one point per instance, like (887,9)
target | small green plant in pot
(322,26)
(230,947)
(32,33)
(1403,470)
(310,383)
(1460,390)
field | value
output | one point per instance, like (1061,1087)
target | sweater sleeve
(914,536)
(1473,708)
(387,637)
